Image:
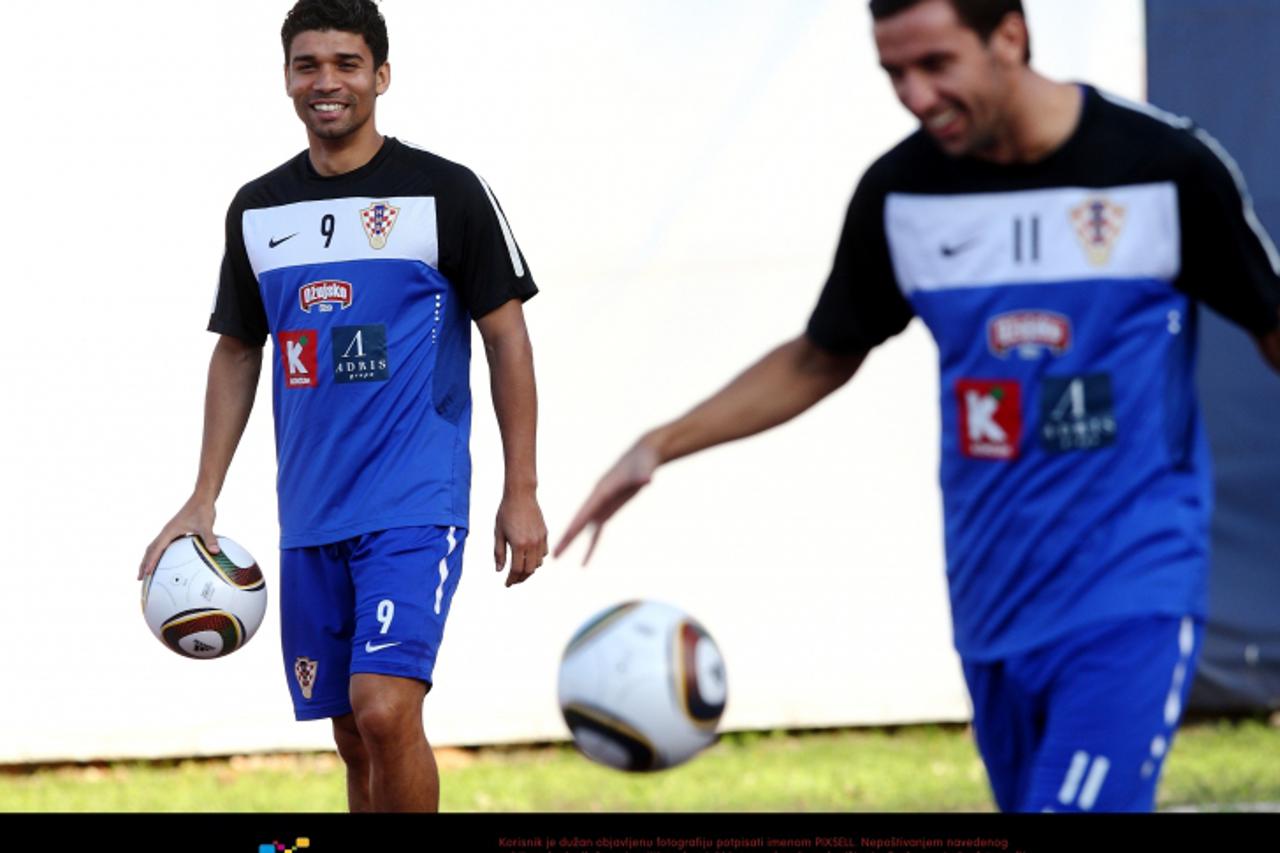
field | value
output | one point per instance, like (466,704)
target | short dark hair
(981,16)
(348,16)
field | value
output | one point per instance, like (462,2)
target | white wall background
(676,172)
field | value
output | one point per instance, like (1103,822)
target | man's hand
(519,524)
(628,476)
(195,517)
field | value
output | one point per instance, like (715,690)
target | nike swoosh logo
(273,242)
(370,648)
(952,251)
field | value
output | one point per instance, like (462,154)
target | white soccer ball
(204,605)
(642,687)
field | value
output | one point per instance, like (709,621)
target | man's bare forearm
(775,389)
(233,382)
(515,402)
(519,525)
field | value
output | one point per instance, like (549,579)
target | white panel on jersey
(341,229)
(939,242)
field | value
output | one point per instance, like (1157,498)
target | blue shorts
(373,603)
(1084,724)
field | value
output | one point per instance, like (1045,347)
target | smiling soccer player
(367,260)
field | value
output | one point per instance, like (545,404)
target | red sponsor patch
(298,358)
(1028,332)
(990,418)
(324,294)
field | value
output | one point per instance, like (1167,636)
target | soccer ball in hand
(642,687)
(204,605)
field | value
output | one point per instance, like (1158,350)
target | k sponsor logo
(1028,333)
(990,418)
(298,358)
(1076,413)
(323,295)
(360,354)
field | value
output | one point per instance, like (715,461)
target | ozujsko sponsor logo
(1029,333)
(324,295)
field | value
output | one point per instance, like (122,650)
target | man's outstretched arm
(775,389)
(233,382)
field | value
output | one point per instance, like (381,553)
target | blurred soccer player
(1056,242)
(367,259)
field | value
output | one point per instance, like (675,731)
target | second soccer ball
(642,687)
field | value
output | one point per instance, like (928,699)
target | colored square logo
(298,358)
(360,354)
(990,418)
(277,847)
(1077,413)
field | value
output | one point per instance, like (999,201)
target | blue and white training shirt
(368,282)
(1062,295)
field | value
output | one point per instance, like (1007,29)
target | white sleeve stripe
(1168,118)
(506,231)
(1250,216)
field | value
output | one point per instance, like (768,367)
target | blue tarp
(1217,62)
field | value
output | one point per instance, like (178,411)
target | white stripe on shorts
(1092,785)
(444,568)
(1071,784)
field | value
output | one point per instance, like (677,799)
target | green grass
(1223,763)
(913,769)
(917,769)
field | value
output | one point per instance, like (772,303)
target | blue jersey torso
(1074,469)
(1062,295)
(367,285)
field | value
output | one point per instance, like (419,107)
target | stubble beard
(321,131)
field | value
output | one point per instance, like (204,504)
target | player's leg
(1007,725)
(316,625)
(404,581)
(356,758)
(1114,705)
(402,767)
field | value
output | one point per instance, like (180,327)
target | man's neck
(331,157)
(1043,115)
